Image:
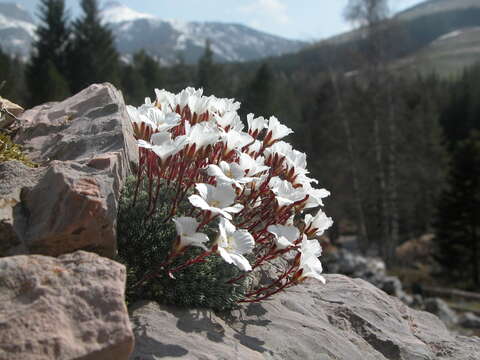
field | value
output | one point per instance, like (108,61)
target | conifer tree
(260,94)
(458,220)
(92,55)
(45,73)
(208,73)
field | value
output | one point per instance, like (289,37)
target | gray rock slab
(71,307)
(344,319)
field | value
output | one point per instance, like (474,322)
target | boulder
(14,176)
(355,265)
(71,307)
(392,286)
(344,319)
(85,148)
(440,308)
(469,320)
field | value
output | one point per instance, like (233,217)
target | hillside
(437,35)
(17,29)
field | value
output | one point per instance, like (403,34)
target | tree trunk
(363,240)
(382,201)
(393,238)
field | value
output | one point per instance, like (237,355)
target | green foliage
(458,219)
(46,71)
(92,56)
(464,104)
(12,73)
(209,74)
(143,244)
(11,151)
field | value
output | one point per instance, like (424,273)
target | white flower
(138,119)
(163,119)
(310,247)
(317,224)
(254,148)
(310,266)
(229,120)
(187,232)
(163,145)
(228,174)
(295,159)
(276,130)
(235,140)
(233,243)
(202,134)
(186,96)
(255,125)
(315,197)
(216,199)
(165,99)
(252,166)
(221,106)
(284,191)
(284,235)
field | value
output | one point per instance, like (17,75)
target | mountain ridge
(165,40)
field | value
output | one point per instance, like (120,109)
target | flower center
(215,203)
(230,240)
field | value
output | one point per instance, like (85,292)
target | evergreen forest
(400,152)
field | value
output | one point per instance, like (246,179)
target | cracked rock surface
(344,319)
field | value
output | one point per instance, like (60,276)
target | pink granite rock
(85,149)
(71,307)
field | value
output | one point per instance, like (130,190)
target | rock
(85,147)
(441,309)
(345,319)
(8,113)
(417,301)
(347,263)
(71,307)
(14,176)
(392,286)
(416,251)
(469,320)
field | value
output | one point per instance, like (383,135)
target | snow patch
(6,23)
(452,34)
(115,12)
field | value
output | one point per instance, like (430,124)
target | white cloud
(273,9)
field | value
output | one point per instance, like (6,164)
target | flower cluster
(250,184)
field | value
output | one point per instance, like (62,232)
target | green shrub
(143,244)
(11,151)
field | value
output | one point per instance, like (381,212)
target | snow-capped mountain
(17,29)
(167,39)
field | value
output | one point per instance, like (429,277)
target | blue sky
(296,19)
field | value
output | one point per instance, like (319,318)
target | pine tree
(92,55)
(260,94)
(12,79)
(49,54)
(458,221)
(208,73)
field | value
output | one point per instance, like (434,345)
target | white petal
(196,239)
(185,225)
(225,255)
(197,201)
(203,190)
(241,262)
(235,209)
(244,242)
